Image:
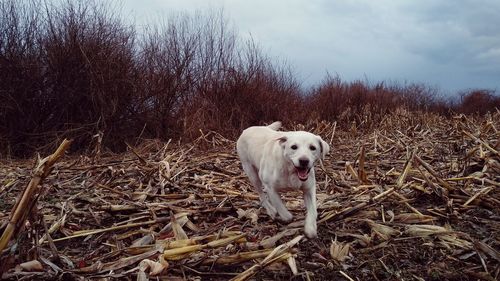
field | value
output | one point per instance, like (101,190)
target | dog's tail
(275,126)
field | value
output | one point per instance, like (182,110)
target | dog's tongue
(302,174)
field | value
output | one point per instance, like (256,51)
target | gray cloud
(451,44)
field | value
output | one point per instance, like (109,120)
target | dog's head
(302,149)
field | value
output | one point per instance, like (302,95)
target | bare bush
(77,70)
(478,101)
(367,104)
(21,84)
(166,62)
(89,70)
(70,72)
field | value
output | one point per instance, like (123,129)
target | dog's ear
(282,140)
(324,147)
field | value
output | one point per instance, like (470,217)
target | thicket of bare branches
(366,104)
(79,70)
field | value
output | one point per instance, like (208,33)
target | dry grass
(416,199)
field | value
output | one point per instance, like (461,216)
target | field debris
(416,199)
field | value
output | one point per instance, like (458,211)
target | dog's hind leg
(253,176)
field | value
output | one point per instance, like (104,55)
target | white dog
(275,161)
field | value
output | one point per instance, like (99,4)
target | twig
(346,276)
(82,233)
(475,196)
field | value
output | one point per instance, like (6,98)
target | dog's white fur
(276,161)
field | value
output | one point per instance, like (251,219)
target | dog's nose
(304,162)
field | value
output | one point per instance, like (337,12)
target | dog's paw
(286,217)
(270,210)
(310,229)
(311,233)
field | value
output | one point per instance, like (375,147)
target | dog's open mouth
(302,173)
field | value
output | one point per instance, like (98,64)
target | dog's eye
(312,147)
(294,147)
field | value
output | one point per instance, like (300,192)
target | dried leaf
(32,265)
(339,251)
(250,214)
(179,233)
(145,240)
(293,265)
(154,267)
(363,240)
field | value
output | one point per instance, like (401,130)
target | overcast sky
(452,44)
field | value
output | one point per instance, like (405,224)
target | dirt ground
(416,199)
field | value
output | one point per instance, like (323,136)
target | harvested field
(416,199)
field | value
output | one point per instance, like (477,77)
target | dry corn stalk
(423,230)
(82,233)
(340,215)
(279,253)
(485,144)
(432,172)
(55,226)
(485,248)
(27,199)
(383,231)
(238,258)
(446,236)
(225,234)
(482,192)
(178,253)
(215,185)
(271,241)
(451,239)
(118,264)
(349,169)
(406,169)
(362,177)
(177,243)
(413,218)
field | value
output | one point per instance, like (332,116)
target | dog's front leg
(275,200)
(310,228)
